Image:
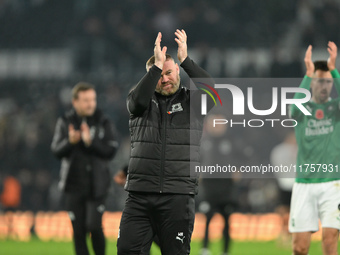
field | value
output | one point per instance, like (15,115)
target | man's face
(321,86)
(169,82)
(86,103)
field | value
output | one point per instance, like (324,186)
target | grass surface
(37,247)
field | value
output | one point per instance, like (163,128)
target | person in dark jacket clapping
(84,141)
(163,142)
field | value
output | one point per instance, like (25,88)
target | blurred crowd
(115,36)
(110,42)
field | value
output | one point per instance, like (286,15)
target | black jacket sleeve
(140,96)
(61,147)
(195,71)
(105,147)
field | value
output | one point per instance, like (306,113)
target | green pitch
(37,247)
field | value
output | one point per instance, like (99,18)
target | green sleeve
(305,84)
(336,77)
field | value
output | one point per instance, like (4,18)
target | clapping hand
(181,40)
(333,52)
(308,62)
(159,52)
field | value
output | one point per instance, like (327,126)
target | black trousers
(86,216)
(169,216)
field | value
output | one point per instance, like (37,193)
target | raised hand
(85,133)
(159,52)
(73,135)
(308,62)
(333,52)
(181,40)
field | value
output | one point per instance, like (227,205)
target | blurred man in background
(84,141)
(161,189)
(218,194)
(316,192)
(284,154)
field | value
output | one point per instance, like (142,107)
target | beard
(324,98)
(174,85)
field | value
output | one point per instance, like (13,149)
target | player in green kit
(316,192)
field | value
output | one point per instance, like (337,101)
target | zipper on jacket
(164,120)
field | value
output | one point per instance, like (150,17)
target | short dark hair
(81,86)
(151,60)
(321,65)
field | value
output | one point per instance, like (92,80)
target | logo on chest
(176,108)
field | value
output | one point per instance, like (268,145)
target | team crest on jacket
(176,108)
